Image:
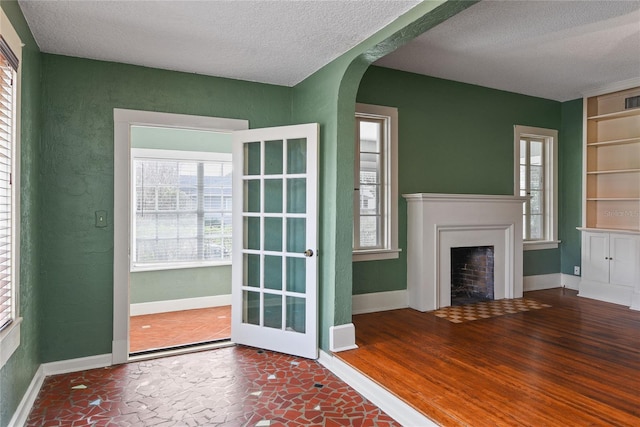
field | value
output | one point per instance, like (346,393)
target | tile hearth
(488,309)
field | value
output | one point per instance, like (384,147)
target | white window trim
(391,251)
(551,182)
(10,337)
(152,153)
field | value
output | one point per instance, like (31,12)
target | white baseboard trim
(142,308)
(53,368)
(570,282)
(75,365)
(379,301)
(541,281)
(21,414)
(342,337)
(635,301)
(395,407)
(607,292)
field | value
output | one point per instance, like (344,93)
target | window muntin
(375,231)
(536,172)
(182,212)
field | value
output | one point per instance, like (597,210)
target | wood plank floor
(576,363)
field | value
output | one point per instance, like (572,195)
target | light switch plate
(101,219)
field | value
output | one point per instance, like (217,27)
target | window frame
(10,335)
(550,164)
(389,182)
(176,155)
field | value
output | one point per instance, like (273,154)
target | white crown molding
(612,87)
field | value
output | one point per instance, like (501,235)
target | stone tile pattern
(176,328)
(488,309)
(234,386)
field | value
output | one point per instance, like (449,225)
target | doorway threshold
(182,349)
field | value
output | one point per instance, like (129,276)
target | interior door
(274,273)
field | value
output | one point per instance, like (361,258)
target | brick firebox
(472,274)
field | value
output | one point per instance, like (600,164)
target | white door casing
(122,210)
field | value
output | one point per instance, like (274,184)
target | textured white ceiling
(280,42)
(551,49)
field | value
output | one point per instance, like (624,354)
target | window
(536,178)
(10,45)
(375,226)
(182,208)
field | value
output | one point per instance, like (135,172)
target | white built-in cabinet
(610,266)
(611,196)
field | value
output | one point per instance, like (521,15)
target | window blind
(8,64)
(183,211)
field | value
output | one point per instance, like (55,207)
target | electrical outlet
(576,270)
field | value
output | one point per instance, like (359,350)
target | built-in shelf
(614,142)
(610,253)
(615,115)
(612,161)
(613,171)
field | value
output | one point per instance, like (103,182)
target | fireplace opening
(471,274)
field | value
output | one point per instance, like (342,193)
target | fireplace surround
(439,222)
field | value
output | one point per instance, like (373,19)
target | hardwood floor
(575,363)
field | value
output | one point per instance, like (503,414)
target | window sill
(183,266)
(9,341)
(376,255)
(540,245)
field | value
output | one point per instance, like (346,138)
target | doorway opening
(181,238)
(172,232)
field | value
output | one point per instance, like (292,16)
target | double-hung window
(9,189)
(536,178)
(375,234)
(182,205)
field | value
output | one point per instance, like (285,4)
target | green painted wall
(328,97)
(77,179)
(16,375)
(180,139)
(453,138)
(161,285)
(165,285)
(570,175)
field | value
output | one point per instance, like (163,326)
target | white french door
(274,280)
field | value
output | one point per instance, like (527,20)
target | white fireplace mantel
(439,222)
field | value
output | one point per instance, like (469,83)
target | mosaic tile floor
(488,309)
(162,330)
(234,386)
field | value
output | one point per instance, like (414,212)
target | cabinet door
(595,263)
(624,254)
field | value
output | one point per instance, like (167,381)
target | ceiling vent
(632,102)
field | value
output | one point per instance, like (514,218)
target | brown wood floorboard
(576,363)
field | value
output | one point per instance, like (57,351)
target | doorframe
(123,119)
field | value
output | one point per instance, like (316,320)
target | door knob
(308,253)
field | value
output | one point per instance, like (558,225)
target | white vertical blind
(7,312)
